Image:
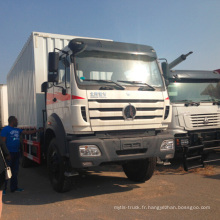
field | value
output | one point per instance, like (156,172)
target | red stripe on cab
(77,97)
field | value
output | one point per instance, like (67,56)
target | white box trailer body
(26,101)
(3,106)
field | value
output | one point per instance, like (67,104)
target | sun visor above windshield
(78,45)
(193,74)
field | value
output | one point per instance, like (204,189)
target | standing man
(11,136)
(4,154)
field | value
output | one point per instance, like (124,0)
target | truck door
(62,92)
(50,97)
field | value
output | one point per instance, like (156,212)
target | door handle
(55,99)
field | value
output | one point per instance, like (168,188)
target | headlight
(89,151)
(167,145)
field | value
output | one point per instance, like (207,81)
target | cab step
(210,161)
(211,148)
(194,157)
(194,167)
(193,160)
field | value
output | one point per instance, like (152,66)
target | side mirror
(167,82)
(53,62)
(53,67)
(44,86)
(166,70)
(53,77)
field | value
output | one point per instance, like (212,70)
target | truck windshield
(194,91)
(101,68)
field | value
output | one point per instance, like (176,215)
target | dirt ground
(106,193)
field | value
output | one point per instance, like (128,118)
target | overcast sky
(172,27)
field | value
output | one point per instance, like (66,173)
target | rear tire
(56,169)
(140,170)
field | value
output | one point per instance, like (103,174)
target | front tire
(140,170)
(56,169)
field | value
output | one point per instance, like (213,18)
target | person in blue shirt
(4,154)
(11,136)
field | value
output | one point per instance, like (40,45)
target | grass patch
(208,170)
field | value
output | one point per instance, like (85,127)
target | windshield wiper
(192,104)
(105,81)
(215,102)
(188,102)
(137,82)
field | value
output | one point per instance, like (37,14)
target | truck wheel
(140,170)
(56,169)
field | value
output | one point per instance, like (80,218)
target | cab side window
(64,71)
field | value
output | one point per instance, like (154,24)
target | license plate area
(133,143)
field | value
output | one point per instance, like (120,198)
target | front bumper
(119,150)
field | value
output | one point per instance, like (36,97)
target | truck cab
(106,103)
(195,97)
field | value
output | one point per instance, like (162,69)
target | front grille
(125,100)
(122,118)
(110,110)
(205,120)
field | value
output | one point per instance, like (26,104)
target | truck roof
(110,46)
(193,74)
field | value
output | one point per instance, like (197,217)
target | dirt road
(102,194)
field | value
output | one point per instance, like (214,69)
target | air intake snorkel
(179,60)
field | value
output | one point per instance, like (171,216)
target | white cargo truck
(3,106)
(195,97)
(101,102)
